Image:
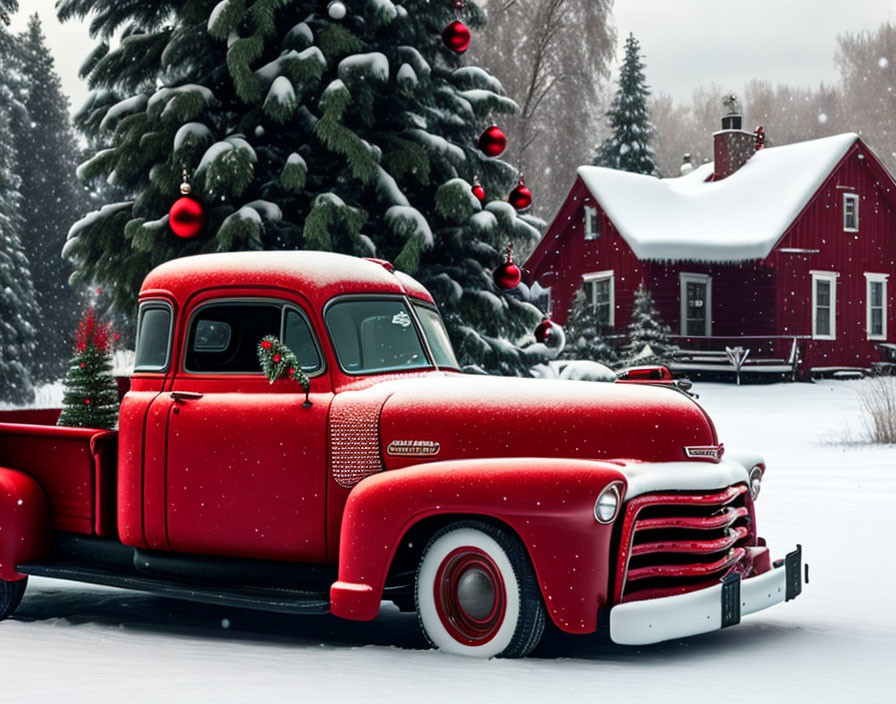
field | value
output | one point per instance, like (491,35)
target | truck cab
(487,504)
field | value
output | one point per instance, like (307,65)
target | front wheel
(476,593)
(11,594)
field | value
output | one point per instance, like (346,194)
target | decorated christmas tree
(628,147)
(585,336)
(18,308)
(352,127)
(91,393)
(646,330)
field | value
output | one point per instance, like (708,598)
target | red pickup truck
(488,505)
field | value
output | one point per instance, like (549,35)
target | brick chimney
(732,146)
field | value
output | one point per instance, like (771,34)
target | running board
(279,600)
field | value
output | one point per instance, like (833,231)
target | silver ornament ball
(336,10)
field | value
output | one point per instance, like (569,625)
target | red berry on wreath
(520,197)
(457,37)
(265,344)
(508,275)
(277,358)
(187,216)
(492,141)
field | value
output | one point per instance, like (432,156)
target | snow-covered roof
(738,218)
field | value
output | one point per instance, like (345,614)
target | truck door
(246,462)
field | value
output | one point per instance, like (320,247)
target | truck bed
(75,466)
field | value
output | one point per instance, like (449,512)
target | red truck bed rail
(75,466)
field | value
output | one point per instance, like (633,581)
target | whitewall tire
(476,593)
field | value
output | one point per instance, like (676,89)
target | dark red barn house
(787,251)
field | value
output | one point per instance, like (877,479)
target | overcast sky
(686,43)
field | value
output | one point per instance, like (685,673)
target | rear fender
(24,522)
(548,503)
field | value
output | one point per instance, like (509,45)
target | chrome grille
(672,543)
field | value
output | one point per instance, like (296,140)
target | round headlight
(607,505)
(755,481)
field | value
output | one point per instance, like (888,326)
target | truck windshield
(375,336)
(436,336)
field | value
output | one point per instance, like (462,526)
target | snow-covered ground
(836,643)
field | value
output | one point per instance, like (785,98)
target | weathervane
(730,101)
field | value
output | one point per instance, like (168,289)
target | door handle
(181,396)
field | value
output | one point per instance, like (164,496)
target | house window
(696,305)
(850,212)
(876,295)
(592,223)
(824,305)
(599,293)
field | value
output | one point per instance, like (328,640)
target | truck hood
(442,417)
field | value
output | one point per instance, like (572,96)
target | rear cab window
(223,336)
(154,328)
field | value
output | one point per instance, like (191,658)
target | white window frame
(546,298)
(592,223)
(831,277)
(882,280)
(601,276)
(688,278)
(854,199)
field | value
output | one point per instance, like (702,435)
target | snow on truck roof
(737,218)
(317,275)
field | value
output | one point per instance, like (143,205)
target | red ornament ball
(479,192)
(456,37)
(186,217)
(87,401)
(520,197)
(507,276)
(493,141)
(544,331)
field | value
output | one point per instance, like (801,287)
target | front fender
(548,503)
(24,522)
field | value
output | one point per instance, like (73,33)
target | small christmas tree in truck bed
(91,394)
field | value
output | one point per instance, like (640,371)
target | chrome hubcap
(476,594)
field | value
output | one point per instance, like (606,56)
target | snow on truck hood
(738,218)
(463,417)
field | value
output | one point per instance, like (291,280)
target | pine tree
(646,329)
(91,393)
(300,131)
(18,307)
(628,148)
(47,159)
(7,8)
(585,338)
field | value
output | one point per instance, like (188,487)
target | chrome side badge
(413,448)
(704,452)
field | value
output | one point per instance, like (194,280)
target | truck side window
(153,338)
(298,337)
(224,337)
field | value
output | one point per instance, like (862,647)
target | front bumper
(705,610)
